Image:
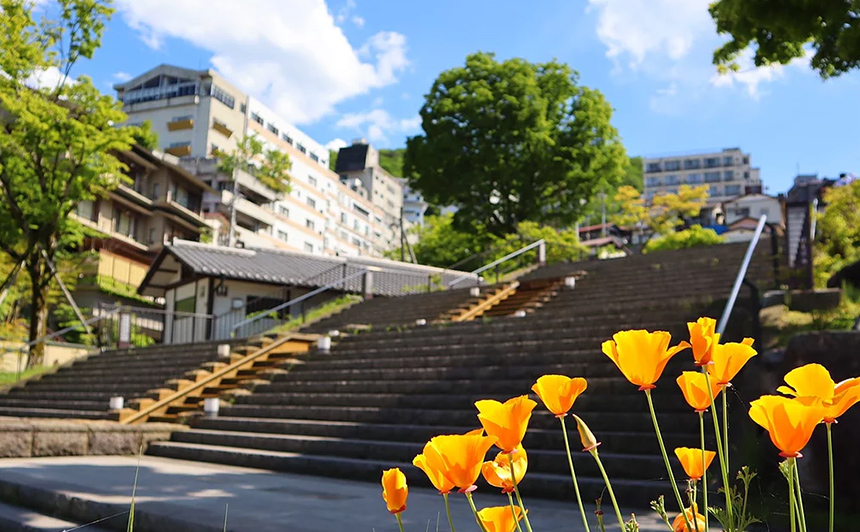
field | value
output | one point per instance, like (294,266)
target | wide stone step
(19,519)
(546,438)
(638,421)
(55,413)
(26,392)
(542,485)
(73,387)
(132,364)
(65,404)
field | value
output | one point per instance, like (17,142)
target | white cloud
(46,79)
(749,77)
(122,76)
(336,144)
(672,42)
(377,124)
(290,53)
(358,21)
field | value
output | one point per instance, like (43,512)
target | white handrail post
(367,285)
(541,254)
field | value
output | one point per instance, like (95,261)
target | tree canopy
(664,214)
(782,31)
(271,167)
(838,232)
(58,144)
(513,141)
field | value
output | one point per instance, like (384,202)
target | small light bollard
(420,322)
(569,282)
(324,344)
(211,405)
(117,402)
(475,291)
(520,314)
(223,350)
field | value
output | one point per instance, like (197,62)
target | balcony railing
(177,125)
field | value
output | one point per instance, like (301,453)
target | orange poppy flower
(729,359)
(499,518)
(697,521)
(559,392)
(694,386)
(691,461)
(433,464)
(462,456)
(789,422)
(641,355)
(813,382)
(498,472)
(394,490)
(703,337)
(506,421)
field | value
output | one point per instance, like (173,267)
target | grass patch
(781,324)
(12,377)
(322,311)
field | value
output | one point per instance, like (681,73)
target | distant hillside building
(728,174)
(199,113)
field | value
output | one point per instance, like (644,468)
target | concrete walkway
(174,495)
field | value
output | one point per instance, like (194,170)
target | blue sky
(342,69)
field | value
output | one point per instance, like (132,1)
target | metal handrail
(742,273)
(64,331)
(299,299)
(496,262)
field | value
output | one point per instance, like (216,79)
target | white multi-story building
(727,174)
(198,113)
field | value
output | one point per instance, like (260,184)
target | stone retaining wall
(23,438)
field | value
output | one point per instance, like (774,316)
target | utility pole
(603,214)
(240,161)
(402,238)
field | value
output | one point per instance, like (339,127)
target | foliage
(665,213)
(441,244)
(513,141)
(7,378)
(838,232)
(270,166)
(332,159)
(561,245)
(326,309)
(392,161)
(58,143)
(828,27)
(608,191)
(145,136)
(695,236)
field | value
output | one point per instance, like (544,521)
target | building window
(746,175)
(312,180)
(85,210)
(310,224)
(283,235)
(273,129)
(712,162)
(653,167)
(257,118)
(214,149)
(287,138)
(309,247)
(733,190)
(746,160)
(223,97)
(728,161)
(242,108)
(715,191)
(673,166)
(343,218)
(124,223)
(672,180)
(356,242)
(355,225)
(151,235)
(284,211)
(301,148)
(156,190)
(692,164)
(653,182)
(694,179)
(712,177)
(314,157)
(729,175)
(312,202)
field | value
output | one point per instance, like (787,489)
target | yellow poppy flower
(641,355)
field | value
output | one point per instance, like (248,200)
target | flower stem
(791,502)
(514,511)
(475,512)
(666,460)
(448,511)
(724,463)
(573,477)
(517,491)
(608,487)
(801,513)
(399,521)
(832,484)
(704,469)
(693,502)
(726,426)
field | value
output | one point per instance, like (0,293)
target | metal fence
(126,326)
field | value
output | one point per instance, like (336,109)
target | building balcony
(178,125)
(222,128)
(180,151)
(251,210)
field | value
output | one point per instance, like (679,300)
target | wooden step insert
(184,395)
(487,302)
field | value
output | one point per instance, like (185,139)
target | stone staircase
(530,295)
(374,400)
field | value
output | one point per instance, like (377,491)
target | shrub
(695,236)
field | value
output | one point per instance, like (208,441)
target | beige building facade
(727,173)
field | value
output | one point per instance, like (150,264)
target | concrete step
(19,519)
(56,413)
(27,402)
(555,486)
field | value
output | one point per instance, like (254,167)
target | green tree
(392,161)
(145,136)
(270,166)
(666,211)
(782,31)
(695,236)
(607,192)
(441,244)
(332,159)
(511,141)
(57,143)
(838,232)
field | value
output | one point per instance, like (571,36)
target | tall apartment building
(728,173)
(198,113)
